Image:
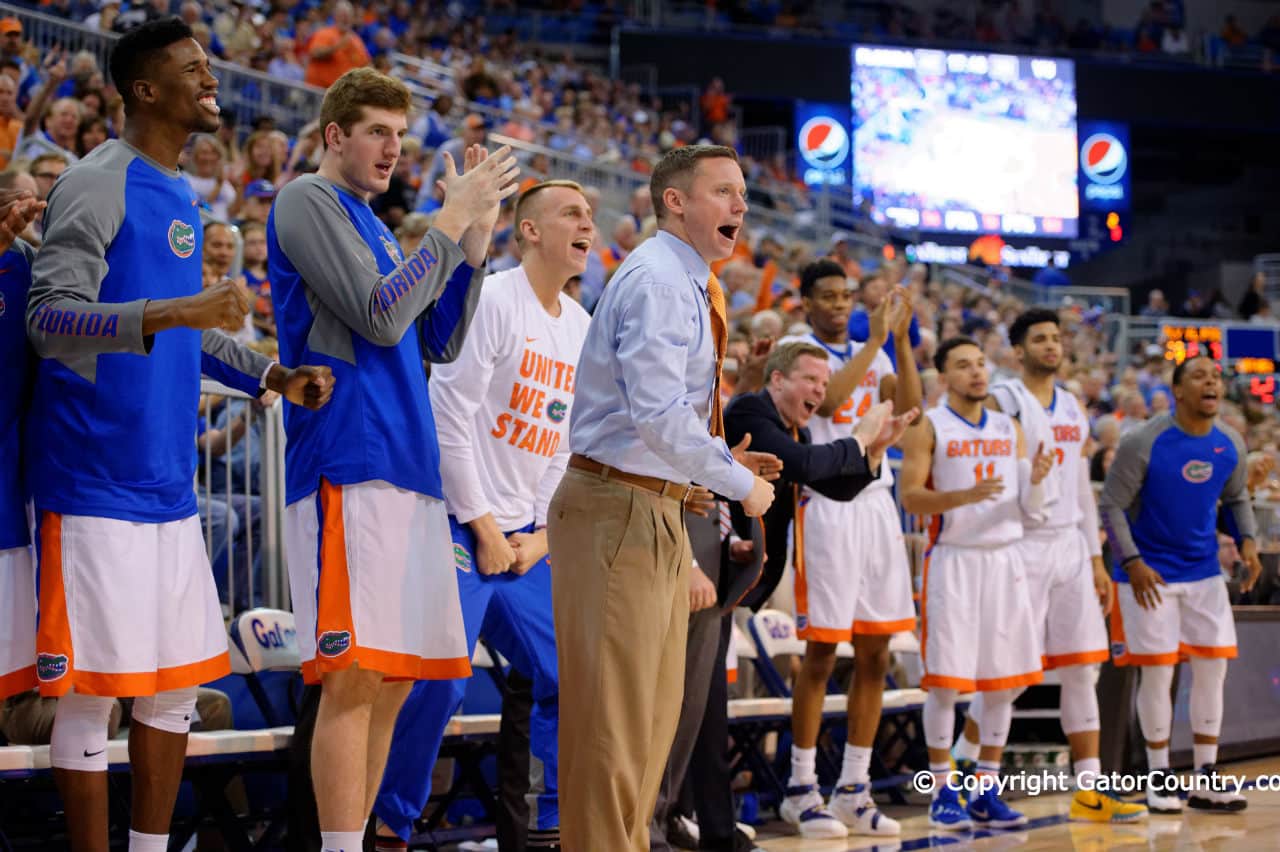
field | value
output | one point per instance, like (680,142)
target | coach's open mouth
(810,406)
(729,232)
(583,245)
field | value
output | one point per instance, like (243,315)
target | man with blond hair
(366,532)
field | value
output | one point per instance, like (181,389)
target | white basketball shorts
(979,630)
(851,571)
(1192,620)
(17,621)
(371,570)
(1064,601)
(126,608)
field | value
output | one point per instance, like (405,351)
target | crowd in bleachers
(58,107)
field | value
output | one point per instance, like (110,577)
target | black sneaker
(681,833)
(1212,792)
(743,843)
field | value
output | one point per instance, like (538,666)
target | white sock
(1158,758)
(1205,755)
(139,842)
(341,841)
(804,763)
(988,767)
(1091,765)
(857,765)
(965,750)
(940,772)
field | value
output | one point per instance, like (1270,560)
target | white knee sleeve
(939,717)
(975,708)
(1155,704)
(997,714)
(1207,679)
(1078,705)
(79,739)
(166,711)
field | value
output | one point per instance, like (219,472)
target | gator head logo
(182,238)
(334,643)
(1197,472)
(1118,650)
(51,666)
(392,249)
(462,559)
(557,410)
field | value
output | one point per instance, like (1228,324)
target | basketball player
(17,572)
(127,602)
(366,532)
(852,581)
(968,467)
(1160,505)
(1066,579)
(503,409)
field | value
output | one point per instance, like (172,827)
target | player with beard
(968,467)
(1160,506)
(1068,583)
(127,602)
(852,579)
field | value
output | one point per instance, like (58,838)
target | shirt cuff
(262,382)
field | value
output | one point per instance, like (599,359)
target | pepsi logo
(824,142)
(1103,158)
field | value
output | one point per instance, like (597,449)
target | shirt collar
(689,258)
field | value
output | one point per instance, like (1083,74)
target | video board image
(965,142)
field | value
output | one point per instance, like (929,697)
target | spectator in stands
(1174,42)
(207,175)
(258,197)
(53,129)
(840,252)
(219,256)
(1157,305)
(1232,34)
(1255,297)
(10,119)
(432,126)
(474,131)
(336,49)
(715,103)
(15,179)
(624,240)
(140,13)
(871,292)
(640,207)
(411,231)
(104,19)
(13,48)
(91,133)
(1132,412)
(254,271)
(46,169)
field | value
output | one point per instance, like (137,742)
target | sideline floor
(1257,828)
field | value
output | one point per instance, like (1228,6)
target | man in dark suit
(775,418)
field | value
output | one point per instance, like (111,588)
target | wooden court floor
(1257,828)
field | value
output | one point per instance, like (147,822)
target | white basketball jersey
(1070,429)
(825,430)
(964,453)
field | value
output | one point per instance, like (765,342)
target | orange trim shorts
(371,570)
(1064,602)
(979,629)
(1192,620)
(126,608)
(17,621)
(851,571)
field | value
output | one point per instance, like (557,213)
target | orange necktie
(720,328)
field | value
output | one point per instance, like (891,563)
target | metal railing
(253,497)
(244,92)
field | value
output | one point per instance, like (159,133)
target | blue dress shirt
(642,400)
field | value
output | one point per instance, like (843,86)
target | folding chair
(266,640)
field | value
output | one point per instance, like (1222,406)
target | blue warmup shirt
(1161,498)
(345,297)
(113,415)
(15,386)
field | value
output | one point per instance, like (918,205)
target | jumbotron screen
(965,142)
